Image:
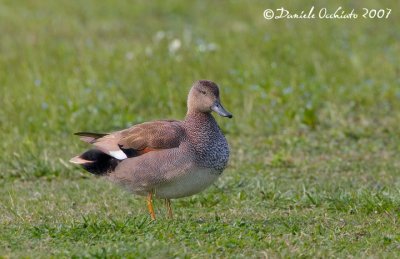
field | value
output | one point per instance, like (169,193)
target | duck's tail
(96,162)
(90,137)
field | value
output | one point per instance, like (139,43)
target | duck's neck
(200,125)
(207,140)
(200,120)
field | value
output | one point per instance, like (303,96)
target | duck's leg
(169,209)
(150,205)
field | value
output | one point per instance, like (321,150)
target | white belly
(187,184)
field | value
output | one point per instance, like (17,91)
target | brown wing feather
(141,138)
(153,135)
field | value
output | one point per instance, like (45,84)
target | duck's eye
(203,92)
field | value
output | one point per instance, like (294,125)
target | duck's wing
(137,140)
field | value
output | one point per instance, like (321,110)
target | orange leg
(168,205)
(150,205)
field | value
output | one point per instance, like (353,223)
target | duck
(165,159)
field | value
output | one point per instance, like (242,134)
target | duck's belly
(187,184)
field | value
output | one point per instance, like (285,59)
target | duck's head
(204,97)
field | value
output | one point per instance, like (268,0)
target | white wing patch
(118,154)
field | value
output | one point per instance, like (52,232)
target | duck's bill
(218,108)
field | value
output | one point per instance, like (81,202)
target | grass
(314,169)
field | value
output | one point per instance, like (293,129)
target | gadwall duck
(167,159)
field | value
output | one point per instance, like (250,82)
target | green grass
(315,139)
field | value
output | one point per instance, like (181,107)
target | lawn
(315,139)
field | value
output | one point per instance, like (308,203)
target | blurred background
(315,102)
